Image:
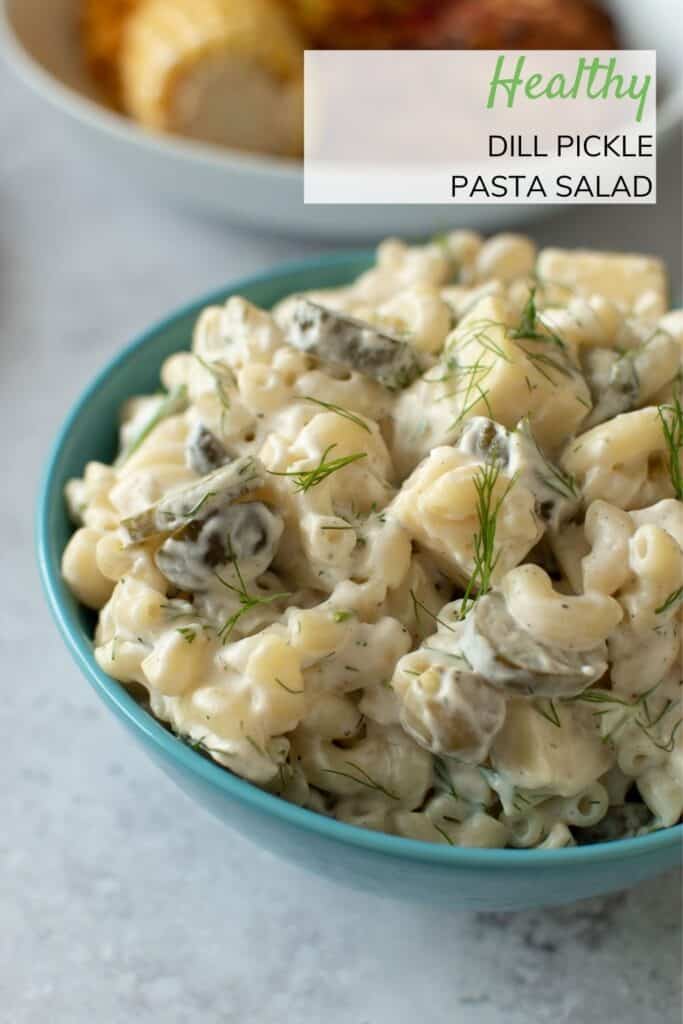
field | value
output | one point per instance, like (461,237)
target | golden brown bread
(103,24)
(221,71)
(362,24)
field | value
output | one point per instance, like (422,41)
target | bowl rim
(98,116)
(116,697)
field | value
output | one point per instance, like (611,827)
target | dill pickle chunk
(621,382)
(204,452)
(451,711)
(556,495)
(342,340)
(613,383)
(512,659)
(198,500)
(246,534)
(485,440)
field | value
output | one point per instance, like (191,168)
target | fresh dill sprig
(285,770)
(529,322)
(561,483)
(340,411)
(550,713)
(188,633)
(342,616)
(443,778)
(307,478)
(541,361)
(526,328)
(452,655)
(470,377)
(247,603)
(557,480)
(485,557)
(259,750)
(472,390)
(200,745)
(195,508)
(669,746)
(287,688)
(418,607)
(443,833)
(673,599)
(597,696)
(480,331)
(364,780)
(671,418)
(223,378)
(631,709)
(174,402)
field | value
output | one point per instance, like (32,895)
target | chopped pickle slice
(345,341)
(204,452)
(246,534)
(512,659)
(556,494)
(451,711)
(198,500)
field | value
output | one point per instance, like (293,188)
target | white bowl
(41,39)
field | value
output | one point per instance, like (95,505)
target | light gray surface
(119,899)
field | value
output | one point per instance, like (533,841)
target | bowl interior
(89,434)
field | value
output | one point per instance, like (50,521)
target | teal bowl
(403,868)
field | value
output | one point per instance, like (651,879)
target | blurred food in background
(455,24)
(231,71)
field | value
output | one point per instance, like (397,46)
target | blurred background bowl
(43,43)
(370,861)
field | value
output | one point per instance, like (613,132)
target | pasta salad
(409,552)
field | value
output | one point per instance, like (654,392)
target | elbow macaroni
(450,610)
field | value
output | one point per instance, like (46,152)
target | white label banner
(465,126)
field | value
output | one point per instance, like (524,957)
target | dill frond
(223,378)
(550,713)
(674,597)
(305,479)
(174,402)
(418,607)
(287,688)
(247,603)
(362,779)
(340,411)
(671,418)
(485,556)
